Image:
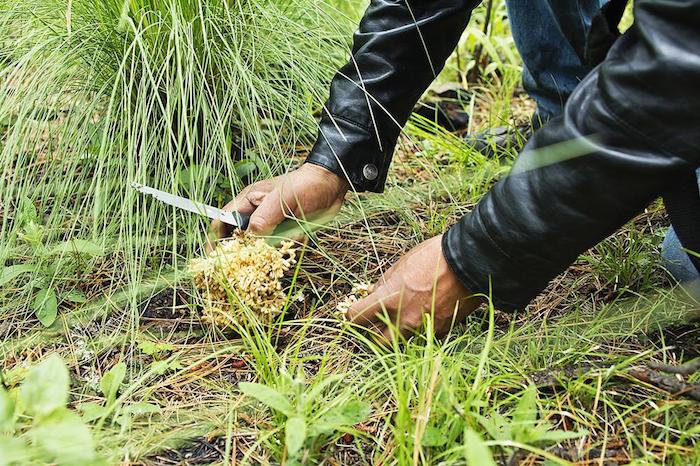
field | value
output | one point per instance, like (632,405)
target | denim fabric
(678,263)
(551,38)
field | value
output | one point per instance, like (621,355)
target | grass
(133,92)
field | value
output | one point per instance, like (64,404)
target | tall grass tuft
(190,96)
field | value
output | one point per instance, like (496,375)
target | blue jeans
(678,263)
(551,38)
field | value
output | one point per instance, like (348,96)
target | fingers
(268,214)
(366,311)
(381,300)
(245,202)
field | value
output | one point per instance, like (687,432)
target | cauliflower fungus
(243,272)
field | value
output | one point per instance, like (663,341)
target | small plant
(524,427)
(47,263)
(37,427)
(124,415)
(306,420)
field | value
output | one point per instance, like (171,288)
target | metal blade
(230,218)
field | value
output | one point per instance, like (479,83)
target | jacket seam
(348,120)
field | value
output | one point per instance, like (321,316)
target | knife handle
(243,220)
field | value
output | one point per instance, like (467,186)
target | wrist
(448,274)
(337,182)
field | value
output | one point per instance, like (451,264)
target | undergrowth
(200,98)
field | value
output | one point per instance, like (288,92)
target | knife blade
(231,218)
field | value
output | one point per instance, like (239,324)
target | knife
(231,218)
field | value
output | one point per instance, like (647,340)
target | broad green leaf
(433,437)
(526,411)
(92,411)
(161,367)
(193,175)
(318,389)
(494,425)
(13,451)
(267,396)
(7,410)
(342,416)
(75,296)
(46,387)
(295,434)
(141,408)
(46,306)
(110,382)
(65,439)
(78,246)
(152,348)
(28,212)
(476,452)
(7,120)
(33,234)
(125,420)
(244,168)
(13,271)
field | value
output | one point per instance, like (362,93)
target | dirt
(684,338)
(200,450)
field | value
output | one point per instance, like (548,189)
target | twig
(688,368)
(667,383)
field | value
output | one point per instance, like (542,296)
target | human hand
(310,190)
(421,282)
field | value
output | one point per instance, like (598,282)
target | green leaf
(342,416)
(152,348)
(141,408)
(46,387)
(78,246)
(13,271)
(7,410)
(318,389)
(526,411)
(244,168)
(433,437)
(476,452)
(27,211)
(267,396)
(46,306)
(75,296)
(14,452)
(125,420)
(161,367)
(7,121)
(92,411)
(295,434)
(64,438)
(556,436)
(110,382)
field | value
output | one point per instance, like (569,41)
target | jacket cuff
(352,152)
(471,256)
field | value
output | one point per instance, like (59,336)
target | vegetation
(103,344)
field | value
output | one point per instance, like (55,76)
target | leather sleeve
(638,118)
(400,47)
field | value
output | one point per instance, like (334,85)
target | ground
(584,375)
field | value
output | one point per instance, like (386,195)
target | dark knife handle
(243,220)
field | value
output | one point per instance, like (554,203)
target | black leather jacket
(637,117)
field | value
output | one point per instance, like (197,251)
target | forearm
(639,110)
(398,50)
